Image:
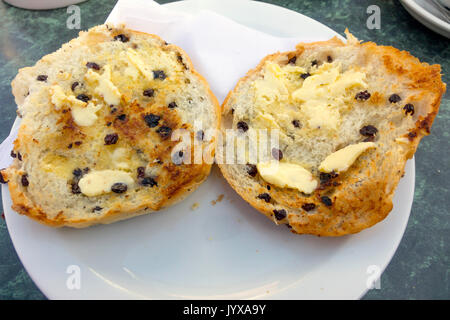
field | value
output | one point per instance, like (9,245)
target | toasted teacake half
(95,140)
(348,114)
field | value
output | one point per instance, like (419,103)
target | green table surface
(420,267)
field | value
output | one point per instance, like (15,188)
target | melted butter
(131,72)
(326,92)
(59,165)
(317,101)
(137,62)
(272,88)
(290,175)
(97,183)
(120,158)
(105,87)
(152,59)
(272,96)
(85,116)
(59,98)
(342,159)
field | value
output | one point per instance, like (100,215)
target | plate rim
(426,18)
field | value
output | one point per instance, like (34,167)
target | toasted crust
(48,198)
(362,196)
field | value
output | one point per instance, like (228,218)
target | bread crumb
(219,198)
(195,206)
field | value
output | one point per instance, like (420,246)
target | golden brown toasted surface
(343,202)
(95,140)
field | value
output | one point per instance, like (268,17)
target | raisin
(200,135)
(159,74)
(140,172)
(149,182)
(326,201)
(78,143)
(308,206)
(363,95)
(108,123)
(122,37)
(325,177)
(412,135)
(97,208)
(268,187)
(74,85)
(75,188)
(292,60)
(409,108)
(264,196)
(180,60)
(113,110)
(149,92)
(152,120)
(279,214)
(164,132)
(394,98)
(314,63)
(111,138)
(77,172)
(122,117)
(19,156)
(252,170)
(13,154)
(24,180)
(242,126)
(329,59)
(277,154)
(83,97)
(119,187)
(305,75)
(86,170)
(172,105)
(93,65)
(296,123)
(369,139)
(368,131)
(42,77)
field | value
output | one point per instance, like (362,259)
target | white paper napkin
(221,50)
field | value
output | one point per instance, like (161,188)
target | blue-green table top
(420,267)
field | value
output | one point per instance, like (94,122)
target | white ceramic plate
(427,14)
(222,251)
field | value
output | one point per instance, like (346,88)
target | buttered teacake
(347,117)
(94,144)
